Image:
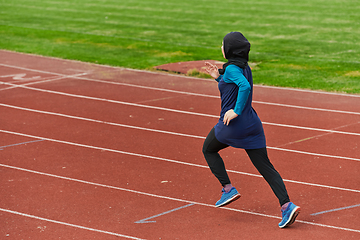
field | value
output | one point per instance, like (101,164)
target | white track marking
(313,154)
(310,91)
(311,129)
(51,79)
(99,121)
(111,101)
(172,110)
(195,94)
(32,70)
(20,77)
(163,131)
(68,224)
(165,197)
(169,160)
(217,97)
(307,108)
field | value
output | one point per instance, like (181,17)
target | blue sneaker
(227,197)
(289,215)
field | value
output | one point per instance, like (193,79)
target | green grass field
(304,44)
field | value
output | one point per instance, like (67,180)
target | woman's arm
(234,74)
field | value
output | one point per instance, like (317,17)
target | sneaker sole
(292,217)
(233,198)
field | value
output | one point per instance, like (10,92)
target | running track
(97,152)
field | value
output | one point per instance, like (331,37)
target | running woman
(239,126)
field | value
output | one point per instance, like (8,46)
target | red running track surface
(97,152)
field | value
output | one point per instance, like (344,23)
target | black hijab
(236,48)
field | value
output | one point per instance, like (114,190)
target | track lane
(157,144)
(110,172)
(235,175)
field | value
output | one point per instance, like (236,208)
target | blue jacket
(236,90)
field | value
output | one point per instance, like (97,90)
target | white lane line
(99,121)
(68,224)
(307,108)
(217,97)
(30,69)
(169,160)
(187,93)
(311,129)
(313,154)
(165,132)
(172,110)
(112,101)
(310,91)
(42,81)
(20,77)
(171,198)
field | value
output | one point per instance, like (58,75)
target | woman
(240,127)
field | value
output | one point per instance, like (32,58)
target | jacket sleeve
(219,78)
(234,74)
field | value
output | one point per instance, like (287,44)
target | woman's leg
(262,163)
(210,150)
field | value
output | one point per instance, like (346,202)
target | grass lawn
(304,44)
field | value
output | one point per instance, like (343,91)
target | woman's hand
(212,70)
(229,115)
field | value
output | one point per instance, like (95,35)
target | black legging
(258,157)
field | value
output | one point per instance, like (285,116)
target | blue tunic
(236,89)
